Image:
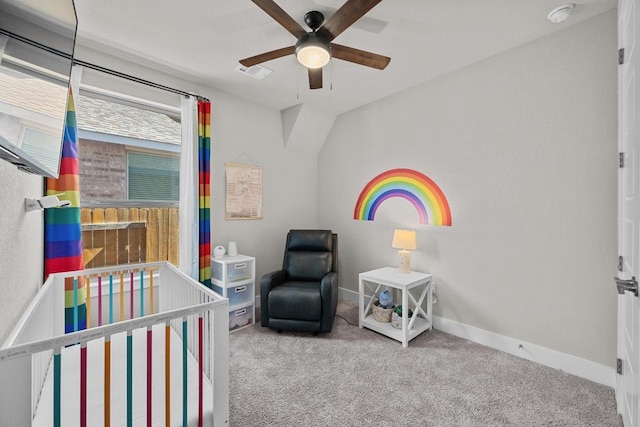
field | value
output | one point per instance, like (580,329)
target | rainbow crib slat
(167,374)
(57,385)
(185,388)
(75,303)
(99,300)
(201,373)
(110,298)
(83,384)
(141,293)
(131,294)
(145,276)
(107,382)
(121,296)
(129,379)
(149,374)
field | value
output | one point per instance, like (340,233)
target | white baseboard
(577,366)
(583,368)
(347,294)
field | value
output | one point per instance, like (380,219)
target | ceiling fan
(314,48)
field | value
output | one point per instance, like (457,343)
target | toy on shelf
(383,308)
(396,317)
(386,299)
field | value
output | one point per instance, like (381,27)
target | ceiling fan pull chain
(298,84)
(331,75)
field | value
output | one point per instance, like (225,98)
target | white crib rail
(26,354)
(43,319)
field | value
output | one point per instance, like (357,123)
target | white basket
(382,314)
(396,321)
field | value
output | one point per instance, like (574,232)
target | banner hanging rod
(100,68)
(136,79)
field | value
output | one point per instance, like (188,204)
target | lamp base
(404,261)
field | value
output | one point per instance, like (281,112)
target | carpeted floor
(356,377)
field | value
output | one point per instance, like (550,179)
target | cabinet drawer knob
(240,312)
(241,289)
(239,266)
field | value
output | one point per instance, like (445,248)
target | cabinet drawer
(240,294)
(237,295)
(235,271)
(239,318)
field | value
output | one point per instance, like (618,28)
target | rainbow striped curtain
(62,230)
(204,191)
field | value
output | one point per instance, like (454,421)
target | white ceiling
(202,40)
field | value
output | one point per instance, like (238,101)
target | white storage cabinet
(234,277)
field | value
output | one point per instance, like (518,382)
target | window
(39,144)
(129,164)
(153,177)
(129,149)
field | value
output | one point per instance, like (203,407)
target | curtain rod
(99,68)
(135,79)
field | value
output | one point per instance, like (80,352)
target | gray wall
(251,135)
(524,147)
(21,247)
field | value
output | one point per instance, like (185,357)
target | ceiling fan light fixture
(312,51)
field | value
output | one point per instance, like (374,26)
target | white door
(628,381)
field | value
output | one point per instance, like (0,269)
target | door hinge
(620,56)
(619,366)
(621,160)
(624,285)
(620,263)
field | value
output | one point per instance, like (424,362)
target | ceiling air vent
(256,71)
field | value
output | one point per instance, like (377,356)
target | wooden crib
(154,352)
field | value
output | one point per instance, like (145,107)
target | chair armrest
(267,282)
(329,292)
(329,283)
(270,280)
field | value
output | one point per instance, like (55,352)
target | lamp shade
(312,51)
(404,239)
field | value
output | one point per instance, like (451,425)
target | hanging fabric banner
(204,190)
(63,233)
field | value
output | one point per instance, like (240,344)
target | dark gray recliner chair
(303,295)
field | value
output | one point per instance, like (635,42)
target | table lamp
(404,240)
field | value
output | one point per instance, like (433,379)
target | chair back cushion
(309,254)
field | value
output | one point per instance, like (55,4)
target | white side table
(391,278)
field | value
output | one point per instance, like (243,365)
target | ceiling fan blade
(349,13)
(282,17)
(358,56)
(315,78)
(268,56)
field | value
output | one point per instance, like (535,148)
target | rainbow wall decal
(411,185)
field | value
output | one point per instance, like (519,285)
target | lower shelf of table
(385,328)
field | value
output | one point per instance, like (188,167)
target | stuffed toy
(386,299)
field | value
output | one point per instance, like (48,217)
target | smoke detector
(561,13)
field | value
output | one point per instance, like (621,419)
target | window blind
(153,177)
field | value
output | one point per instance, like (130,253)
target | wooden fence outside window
(123,235)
